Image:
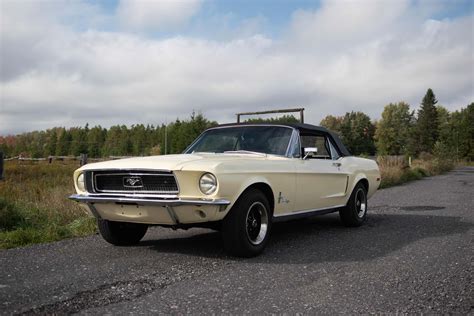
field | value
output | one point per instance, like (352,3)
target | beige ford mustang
(236,178)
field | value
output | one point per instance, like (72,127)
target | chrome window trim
(139,172)
(333,150)
(294,141)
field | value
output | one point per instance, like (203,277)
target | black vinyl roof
(304,129)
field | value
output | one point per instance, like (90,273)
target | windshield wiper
(244,152)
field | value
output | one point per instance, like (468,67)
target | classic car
(236,178)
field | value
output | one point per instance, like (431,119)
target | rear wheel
(246,228)
(121,233)
(355,212)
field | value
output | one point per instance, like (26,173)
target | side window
(318,141)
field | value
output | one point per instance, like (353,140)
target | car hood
(176,162)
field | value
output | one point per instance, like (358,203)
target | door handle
(336,164)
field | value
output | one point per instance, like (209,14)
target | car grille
(133,181)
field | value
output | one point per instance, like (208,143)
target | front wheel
(121,233)
(355,212)
(246,228)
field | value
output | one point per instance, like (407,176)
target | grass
(34,207)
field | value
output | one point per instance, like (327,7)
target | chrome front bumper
(171,205)
(146,201)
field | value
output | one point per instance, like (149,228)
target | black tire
(121,233)
(246,228)
(354,214)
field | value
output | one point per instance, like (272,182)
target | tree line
(118,140)
(400,131)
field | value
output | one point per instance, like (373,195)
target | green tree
(64,143)
(332,123)
(393,131)
(462,133)
(52,141)
(282,119)
(79,140)
(427,123)
(95,141)
(357,133)
(139,140)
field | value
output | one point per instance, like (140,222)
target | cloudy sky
(69,62)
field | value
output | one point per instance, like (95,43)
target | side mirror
(309,151)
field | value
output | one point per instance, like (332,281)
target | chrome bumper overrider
(146,201)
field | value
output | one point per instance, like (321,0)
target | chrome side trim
(89,199)
(304,213)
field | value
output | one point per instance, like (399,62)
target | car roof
(303,128)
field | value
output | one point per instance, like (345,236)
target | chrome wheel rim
(360,203)
(256,223)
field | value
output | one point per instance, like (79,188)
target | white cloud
(153,15)
(63,76)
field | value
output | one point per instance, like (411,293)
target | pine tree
(52,141)
(64,143)
(427,123)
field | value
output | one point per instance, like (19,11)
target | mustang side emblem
(282,199)
(132,182)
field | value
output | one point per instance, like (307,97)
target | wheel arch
(359,178)
(365,183)
(265,189)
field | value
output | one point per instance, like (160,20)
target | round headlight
(80,182)
(208,183)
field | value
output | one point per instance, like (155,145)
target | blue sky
(72,62)
(277,13)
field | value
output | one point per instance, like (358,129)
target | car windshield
(261,139)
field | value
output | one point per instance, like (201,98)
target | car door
(321,179)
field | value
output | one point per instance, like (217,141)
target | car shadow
(324,238)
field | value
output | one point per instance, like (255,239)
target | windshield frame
(293,137)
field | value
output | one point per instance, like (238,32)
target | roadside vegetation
(396,172)
(34,207)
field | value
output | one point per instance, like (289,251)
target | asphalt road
(415,254)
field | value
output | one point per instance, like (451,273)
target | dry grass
(395,172)
(34,205)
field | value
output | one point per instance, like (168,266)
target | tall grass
(395,172)
(34,207)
